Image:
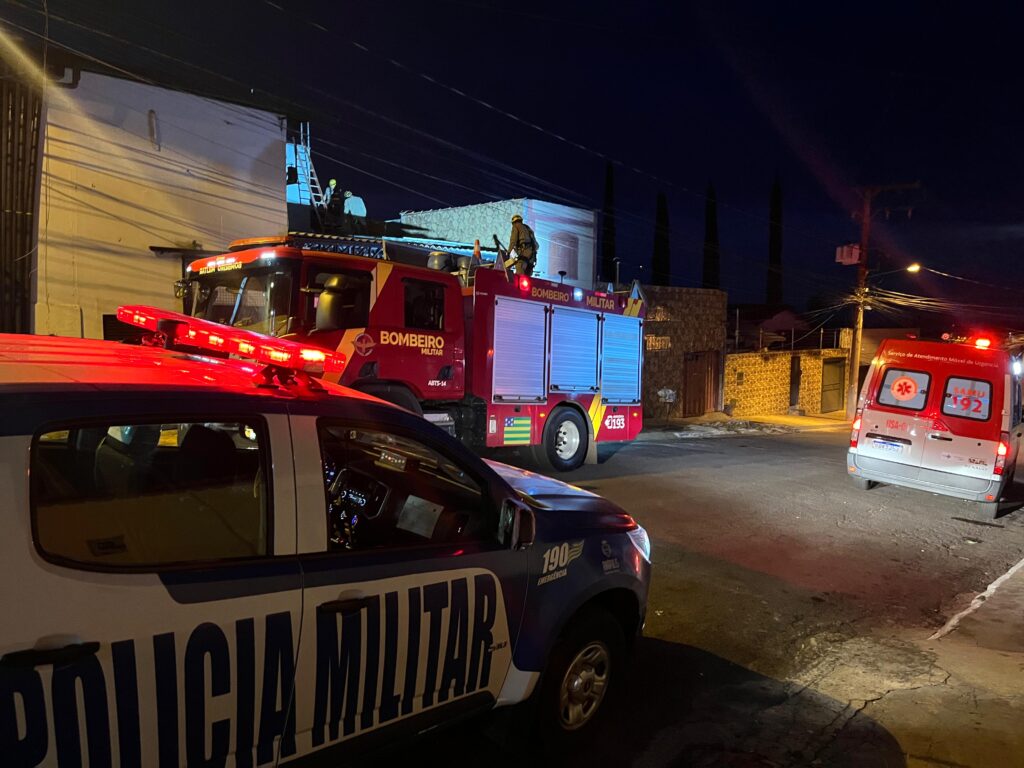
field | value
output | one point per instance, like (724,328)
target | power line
(428,78)
(816,279)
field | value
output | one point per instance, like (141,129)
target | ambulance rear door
(894,424)
(964,436)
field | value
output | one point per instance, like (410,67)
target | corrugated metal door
(573,350)
(520,341)
(20,110)
(621,338)
(832,374)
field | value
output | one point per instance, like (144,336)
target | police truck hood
(571,505)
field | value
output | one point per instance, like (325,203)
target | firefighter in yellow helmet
(523,242)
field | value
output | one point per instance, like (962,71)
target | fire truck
(499,360)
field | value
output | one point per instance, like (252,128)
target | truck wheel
(583,675)
(396,395)
(862,484)
(565,441)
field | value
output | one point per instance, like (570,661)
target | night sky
(827,95)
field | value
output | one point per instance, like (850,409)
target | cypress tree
(608,226)
(712,257)
(661,268)
(775,244)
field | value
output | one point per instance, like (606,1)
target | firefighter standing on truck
(523,242)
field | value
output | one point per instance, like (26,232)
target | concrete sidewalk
(980,703)
(720,425)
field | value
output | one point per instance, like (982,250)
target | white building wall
(567,236)
(126,166)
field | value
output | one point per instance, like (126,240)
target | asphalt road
(783,603)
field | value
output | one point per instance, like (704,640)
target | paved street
(790,614)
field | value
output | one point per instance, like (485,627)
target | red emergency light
(524,283)
(983,343)
(258,347)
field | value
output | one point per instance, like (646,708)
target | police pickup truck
(211,560)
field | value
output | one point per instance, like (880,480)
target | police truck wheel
(583,675)
(565,441)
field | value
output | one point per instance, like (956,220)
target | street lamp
(858,329)
(911,268)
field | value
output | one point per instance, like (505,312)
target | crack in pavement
(829,738)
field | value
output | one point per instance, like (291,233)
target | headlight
(641,541)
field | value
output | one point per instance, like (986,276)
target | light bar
(258,347)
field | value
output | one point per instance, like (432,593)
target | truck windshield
(254,299)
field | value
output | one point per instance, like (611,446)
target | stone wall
(679,321)
(810,377)
(758,383)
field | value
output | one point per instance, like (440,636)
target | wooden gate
(833,374)
(699,387)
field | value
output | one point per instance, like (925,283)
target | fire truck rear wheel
(565,441)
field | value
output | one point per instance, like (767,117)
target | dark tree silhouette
(712,256)
(608,226)
(775,244)
(661,268)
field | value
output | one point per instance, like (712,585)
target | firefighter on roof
(523,242)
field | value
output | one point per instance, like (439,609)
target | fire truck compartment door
(621,359)
(520,335)
(573,350)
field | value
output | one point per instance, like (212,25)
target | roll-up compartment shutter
(573,350)
(621,359)
(519,350)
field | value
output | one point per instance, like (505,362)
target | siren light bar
(258,347)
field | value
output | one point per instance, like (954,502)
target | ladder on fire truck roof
(304,159)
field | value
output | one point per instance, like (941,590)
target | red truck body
(493,357)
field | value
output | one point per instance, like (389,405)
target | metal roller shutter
(520,342)
(621,359)
(573,350)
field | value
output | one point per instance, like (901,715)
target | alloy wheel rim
(584,686)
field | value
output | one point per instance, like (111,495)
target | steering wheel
(342,521)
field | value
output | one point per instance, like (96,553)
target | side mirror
(524,529)
(180,287)
(517,526)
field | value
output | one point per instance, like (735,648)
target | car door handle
(37,657)
(347,605)
(944,438)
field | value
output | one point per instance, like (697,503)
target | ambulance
(231,561)
(943,417)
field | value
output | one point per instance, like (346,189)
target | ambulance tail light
(1001,452)
(855,431)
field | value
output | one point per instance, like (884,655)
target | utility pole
(868,194)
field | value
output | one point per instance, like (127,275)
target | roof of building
(126,63)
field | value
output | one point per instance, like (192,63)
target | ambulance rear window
(149,495)
(904,389)
(967,398)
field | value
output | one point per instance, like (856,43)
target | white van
(940,417)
